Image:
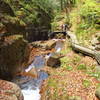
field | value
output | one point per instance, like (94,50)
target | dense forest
(71,57)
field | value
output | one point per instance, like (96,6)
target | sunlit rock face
(14,54)
(10,91)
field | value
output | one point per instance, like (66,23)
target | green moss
(65,61)
(82,67)
(69,68)
(77,58)
(52,83)
(86,83)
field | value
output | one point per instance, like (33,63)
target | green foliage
(65,61)
(69,68)
(66,3)
(86,83)
(85,18)
(94,74)
(15,20)
(35,12)
(90,13)
(81,67)
(76,59)
(20,13)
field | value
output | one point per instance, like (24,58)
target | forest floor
(77,77)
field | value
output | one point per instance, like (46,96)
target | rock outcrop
(10,91)
(14,54)
(14,50)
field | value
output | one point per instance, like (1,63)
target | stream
(31,86)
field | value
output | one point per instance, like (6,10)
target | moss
(86,83)
(77,58)
(52,83)
(65,61)
(82,67)
(69,68)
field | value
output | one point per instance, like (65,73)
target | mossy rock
(97,93)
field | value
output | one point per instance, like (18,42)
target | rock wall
(14,50)
(13,55)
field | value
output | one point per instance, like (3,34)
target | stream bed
(31,86)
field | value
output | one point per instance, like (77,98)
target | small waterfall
(31,86)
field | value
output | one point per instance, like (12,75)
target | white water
(31,87)
(31,94)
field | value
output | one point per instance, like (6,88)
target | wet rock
(10,91)
(97,93)
(44,44)
(14,54)
(53,62)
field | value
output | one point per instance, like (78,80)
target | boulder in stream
(10,91)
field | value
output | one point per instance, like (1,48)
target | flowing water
(31,86)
